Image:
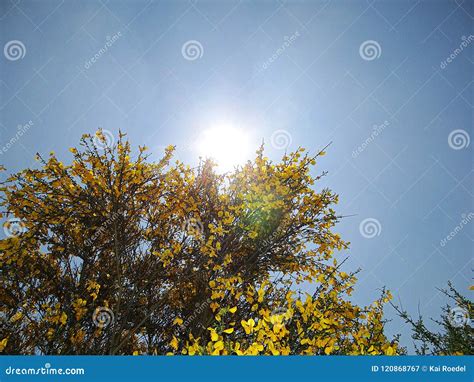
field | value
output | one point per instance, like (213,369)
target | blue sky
(389,83)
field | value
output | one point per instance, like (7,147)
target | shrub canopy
(115,254)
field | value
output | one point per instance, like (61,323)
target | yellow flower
(218,346)
(233,310)
(389,351)
(325,323)
(228,331)
(277,328)
(272,349)
(63,318)
(174,343)
(177,321)
(248,326)
(371,350)
(214,335)
(3,344)
(17,316)
(50,333)
(79,308)
(255,348)
(328,350)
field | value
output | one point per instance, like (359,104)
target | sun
(228,146)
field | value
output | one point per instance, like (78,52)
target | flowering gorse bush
(121,255)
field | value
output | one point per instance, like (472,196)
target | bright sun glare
(226,145)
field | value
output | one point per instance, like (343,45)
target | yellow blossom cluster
(177,260)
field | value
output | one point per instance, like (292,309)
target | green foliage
(456,334)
